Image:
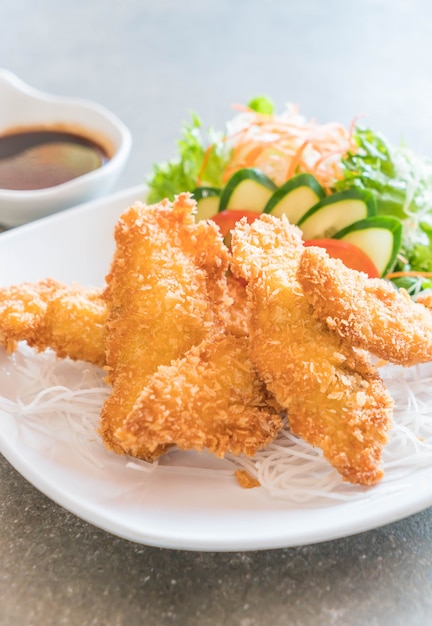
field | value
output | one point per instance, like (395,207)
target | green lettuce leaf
(181,173)
(402,184)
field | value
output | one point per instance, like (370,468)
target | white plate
(185,510)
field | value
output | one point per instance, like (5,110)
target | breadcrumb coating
(48,314)
(425,299)
(211,399)
(366,312)
(334,399)
(165,293)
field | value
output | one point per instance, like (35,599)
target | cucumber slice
(207,199)
(379,237)
(247,189)
(336,212)
(295,197)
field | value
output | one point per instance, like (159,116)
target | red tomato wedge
(351,255)
(226,220)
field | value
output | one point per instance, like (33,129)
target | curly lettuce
(202,156)
(402,184)
(201,159)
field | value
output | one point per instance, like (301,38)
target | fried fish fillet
(367,313)
(334,399)
(211,399)
(166,292)
(48,314)
(236,308)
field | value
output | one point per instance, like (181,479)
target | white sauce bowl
(23,107)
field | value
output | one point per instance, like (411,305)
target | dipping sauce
(41,158)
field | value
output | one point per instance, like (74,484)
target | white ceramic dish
(185,510)
(23,106)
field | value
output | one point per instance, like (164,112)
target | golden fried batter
(335,400)
(210,399)
(425,299)
(236,307)
(165,293)
(366,312)
(245,480)
(68,319)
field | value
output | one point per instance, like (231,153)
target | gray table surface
(152,63)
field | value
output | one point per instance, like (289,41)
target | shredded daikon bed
(63,397)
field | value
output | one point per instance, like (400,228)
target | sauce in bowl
(45,157)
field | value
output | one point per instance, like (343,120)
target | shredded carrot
(354,123)
(408,273)
(332,153)
(295,161)
(204,164)
(296,146)
(241,107)
(253,154)
(283,145)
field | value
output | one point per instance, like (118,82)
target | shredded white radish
(53,395)
(291,469)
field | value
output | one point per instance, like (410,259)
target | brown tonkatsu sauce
(41,158)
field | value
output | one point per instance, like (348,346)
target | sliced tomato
(226,220)
(351,255)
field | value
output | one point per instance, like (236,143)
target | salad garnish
(284,145)
(202,154)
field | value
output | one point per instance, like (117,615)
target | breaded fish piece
(334,399)
(366,312)
(48,314)
(236,308)
(211,399)
(165,293)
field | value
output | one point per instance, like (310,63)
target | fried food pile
(178,376)
(334,398)
(207,348)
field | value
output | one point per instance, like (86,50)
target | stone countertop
(152,64)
